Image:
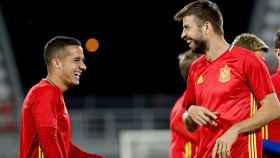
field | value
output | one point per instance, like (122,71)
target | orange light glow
(92,45)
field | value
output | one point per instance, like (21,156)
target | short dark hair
(57,43)
(204,10)
(277,40)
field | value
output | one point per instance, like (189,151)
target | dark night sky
(139,41)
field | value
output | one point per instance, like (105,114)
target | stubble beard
(200,47)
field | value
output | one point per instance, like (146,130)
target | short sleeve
(44,108)
(257,76)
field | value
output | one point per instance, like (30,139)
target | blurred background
(132,78)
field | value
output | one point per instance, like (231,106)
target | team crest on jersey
(199,80)
(224,74)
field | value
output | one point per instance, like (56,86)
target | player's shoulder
(240,53)
(43,87)
(198,62)
(178,103)
(180,100)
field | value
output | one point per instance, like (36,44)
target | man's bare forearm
(269,111)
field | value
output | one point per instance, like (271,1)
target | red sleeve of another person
(189,94)
(178,125)
(274,126)
(45,117)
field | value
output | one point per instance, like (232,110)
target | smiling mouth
(77,75)
(189,42)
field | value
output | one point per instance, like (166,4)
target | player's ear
(206,26)
(56,63)
(278,52)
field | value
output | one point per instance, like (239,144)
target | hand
(223,144)
(189,124)
(201,115)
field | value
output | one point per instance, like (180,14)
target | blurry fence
(98,129)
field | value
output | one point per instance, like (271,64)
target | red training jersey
(183,143)
(274,126)
(230,86)
(43,107)
(45,129)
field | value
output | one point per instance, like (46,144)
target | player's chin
(75,82)
(192,46)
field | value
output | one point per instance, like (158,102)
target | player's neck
(217,47)
(56,81)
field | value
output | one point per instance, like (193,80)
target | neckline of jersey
(51,83)
(221,56)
